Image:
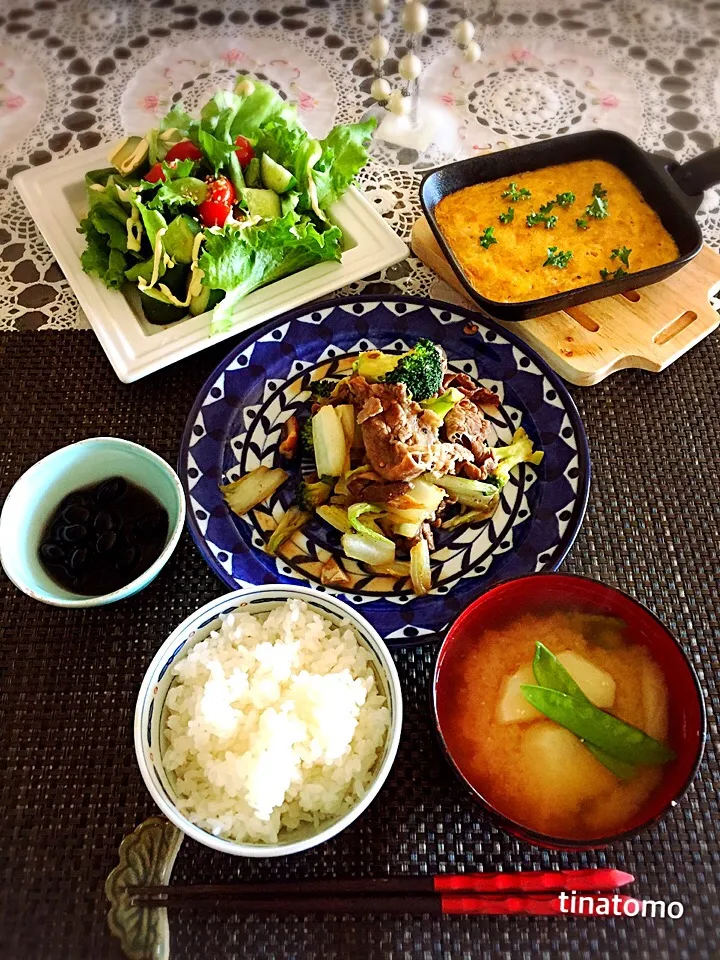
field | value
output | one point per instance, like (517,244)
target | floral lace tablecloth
(78,72)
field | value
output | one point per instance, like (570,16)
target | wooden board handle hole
(581,316)
(675,327)
(632,295)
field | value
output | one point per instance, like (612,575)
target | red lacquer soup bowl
(558,591)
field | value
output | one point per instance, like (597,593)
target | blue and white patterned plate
(235,426)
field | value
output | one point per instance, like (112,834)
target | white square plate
(55,196)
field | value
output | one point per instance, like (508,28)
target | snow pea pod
(550,673)
(615,737)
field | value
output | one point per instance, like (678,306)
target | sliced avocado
(180,238)
(158,309)
(130,154)
(252,174)
(263,203)
(205,300)
(274,176)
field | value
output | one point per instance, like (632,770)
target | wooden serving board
(647,328)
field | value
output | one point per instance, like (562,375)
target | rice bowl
(275,719)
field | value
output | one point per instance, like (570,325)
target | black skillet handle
(695,176)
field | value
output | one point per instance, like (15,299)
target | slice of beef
(466,425)
(465,384)
(398,434)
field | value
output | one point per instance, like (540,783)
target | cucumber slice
(263,203)
(252,174)
(180,238)
(205,300)
(191,189)
(274,175)
(158,309)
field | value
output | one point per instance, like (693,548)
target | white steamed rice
(272,722)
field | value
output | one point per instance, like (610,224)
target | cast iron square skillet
(674,191)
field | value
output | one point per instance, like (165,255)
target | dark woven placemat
(70,788)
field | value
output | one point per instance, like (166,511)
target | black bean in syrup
(102,537)
(105,542)
(103,522)
(52,552)
(74,533)
(76,513)
(111,490)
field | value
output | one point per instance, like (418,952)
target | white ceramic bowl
(37,494)
(151,700)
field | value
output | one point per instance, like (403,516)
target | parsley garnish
(547,207)
(558,258)
(598,191)
(533,219)
(598,208)
(565,199)
(516,193)
(613,275)
(488,238)
(622,254)
(582,223)
(507,217)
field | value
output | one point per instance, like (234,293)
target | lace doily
(86,70)
(193,71)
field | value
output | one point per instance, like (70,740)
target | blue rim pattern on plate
(235,426)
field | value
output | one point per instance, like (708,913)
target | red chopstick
(541,905)
(531,881)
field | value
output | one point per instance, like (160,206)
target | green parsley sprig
(558,258)
(598,208)
(582,223)
(622,254)
(507,217)
(613,274)
(488,237)
(565,199)
(599,191)
(516,193)
(533,219)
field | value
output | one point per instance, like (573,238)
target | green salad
(199,213)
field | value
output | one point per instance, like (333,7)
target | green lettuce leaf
(100,259)
(258,108)
(344,154)
(176,119)
(241,260)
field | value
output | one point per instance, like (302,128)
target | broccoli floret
(420,370)
(519,451)
(321,389)
(315,494)
(306,437)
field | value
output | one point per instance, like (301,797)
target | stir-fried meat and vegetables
(401,448)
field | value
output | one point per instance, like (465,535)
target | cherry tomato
(244,151)
(185,150)
(155,173)
(216,207)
